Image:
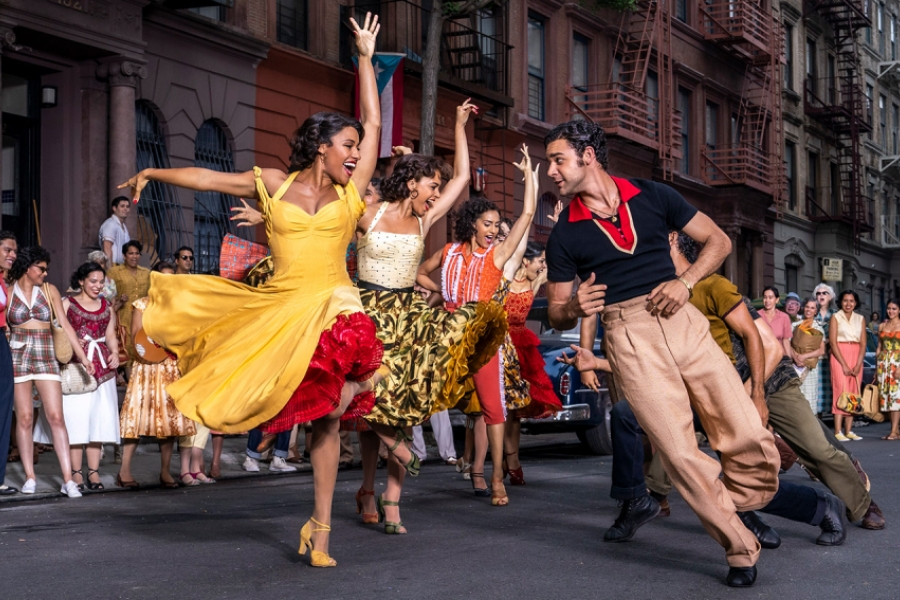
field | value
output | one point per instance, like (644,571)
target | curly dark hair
(687,247)
(82,273)
(411,167)
(163,264)
(132,244)
(533,250)
(840,298)
(318,129)
(26,258)
(580,135)
(465,216)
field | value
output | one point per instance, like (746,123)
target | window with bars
(882,118)
(684,105)
(536,67)
(681,10)
(790,165)
(292,23)
(212,150)
(870,108)
(788,57)
(160,216)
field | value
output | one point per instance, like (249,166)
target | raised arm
(520,228)
(515,261)
(740,321)
(460,181)
(369,105)
(429,266)
(194,178)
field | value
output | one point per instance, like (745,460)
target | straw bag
(76,380)
(61,345)
(870,403)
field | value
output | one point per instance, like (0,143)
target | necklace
(614,217)
(517,280)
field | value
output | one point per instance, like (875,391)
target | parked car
(585,412)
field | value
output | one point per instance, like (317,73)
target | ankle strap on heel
(322,526)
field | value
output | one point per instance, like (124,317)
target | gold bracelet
(687,285)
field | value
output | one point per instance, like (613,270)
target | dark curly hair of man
(465,216)
(26,258)
(580,135)
(412,167)
(318,129)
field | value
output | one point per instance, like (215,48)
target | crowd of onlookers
(835,366)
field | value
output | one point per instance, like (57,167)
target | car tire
(597,440)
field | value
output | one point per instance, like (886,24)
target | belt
(374,287)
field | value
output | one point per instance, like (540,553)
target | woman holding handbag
(92,418)
(887,377)
(809,377)
(33,305)
(847,335)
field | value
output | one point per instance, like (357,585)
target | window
(212,213)
(790,173)
(892,24)
(535,67)
(735,130)
(712,125)
(681,10)
(160,215)
(832,81)
(580,50)
(835,177)
(895,124)
(213,12)
(652,91)
(812,176)
(684,105)
(791,278)
(882,118)
(788,57)
(870,101)
(291,23)
(879,22)
(865,6)
(811,66)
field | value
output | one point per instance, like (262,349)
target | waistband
(624,309)
(374,287)
(15,329)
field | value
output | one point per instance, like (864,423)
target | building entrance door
(20,159)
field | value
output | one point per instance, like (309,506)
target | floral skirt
(348,350)
(148,410)
(430,354)
(887,378)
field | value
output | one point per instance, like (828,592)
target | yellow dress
(243,351)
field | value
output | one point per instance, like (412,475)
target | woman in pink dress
(847,334)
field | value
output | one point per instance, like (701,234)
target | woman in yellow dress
(299,347)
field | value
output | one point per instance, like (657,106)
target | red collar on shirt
(579,212)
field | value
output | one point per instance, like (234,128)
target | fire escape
(841,108)
(749,32)
(637,103)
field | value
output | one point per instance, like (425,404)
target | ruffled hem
(348,350)
(544,401)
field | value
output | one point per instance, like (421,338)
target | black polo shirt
(631,258)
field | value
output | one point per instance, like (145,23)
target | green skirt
(430,354)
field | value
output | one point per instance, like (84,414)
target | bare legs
(51,397)
(129,446)
(166,449)
(511,442)
(215,466)
(843,422)
(24,427)
(76,454)
(480,441)
(369,442)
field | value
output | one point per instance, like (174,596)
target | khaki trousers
(664,367)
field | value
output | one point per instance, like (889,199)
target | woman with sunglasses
(824,295)
(28,315)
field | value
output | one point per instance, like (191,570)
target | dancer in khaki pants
(615,233)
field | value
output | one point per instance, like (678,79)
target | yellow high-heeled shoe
(316,558)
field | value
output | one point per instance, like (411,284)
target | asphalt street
(238,539)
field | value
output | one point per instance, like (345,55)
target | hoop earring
(414,195)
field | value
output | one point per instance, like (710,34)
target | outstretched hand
(525,164)
(464,110)
(365,35)
(137,184)
(246,216)
(582,360)
(401,150)
(556,210)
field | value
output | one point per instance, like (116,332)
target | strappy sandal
(480,492)
(128,485)
(316,558)
(413,465)
(94,487)
(80,474)
(498,493)
(389,526)
(516,476)
(367,518)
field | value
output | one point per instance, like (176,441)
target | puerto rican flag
(389,78)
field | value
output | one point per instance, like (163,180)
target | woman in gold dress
(299,347)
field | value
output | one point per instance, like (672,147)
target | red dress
(544,401)
(90,329)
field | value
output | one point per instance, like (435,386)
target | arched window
(212,213)
(160,217)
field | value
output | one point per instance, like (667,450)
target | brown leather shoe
(664,509)
(873,519)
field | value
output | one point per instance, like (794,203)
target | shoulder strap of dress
(421,228)
(284,186)
(377,217)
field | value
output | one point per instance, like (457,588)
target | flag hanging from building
(389,78)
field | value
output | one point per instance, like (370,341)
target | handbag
(870,403)
(76,380)
(62,347)
(238,256)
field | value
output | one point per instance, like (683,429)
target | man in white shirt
(113,233)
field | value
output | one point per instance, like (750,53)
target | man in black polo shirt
(615,233)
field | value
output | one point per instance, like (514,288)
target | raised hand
(525,165)
(556,210)
(137,184)
(401,150)
(582,360)
(246,216)
(365,35)
(464,110)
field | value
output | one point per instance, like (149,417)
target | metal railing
(475,55)
(736,21)
(737,164)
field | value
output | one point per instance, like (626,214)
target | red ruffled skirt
(349,350)
(544,401)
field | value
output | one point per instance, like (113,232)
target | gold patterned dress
(887,376)
(244,351)
(148,410)
(135,285)
(429,353)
